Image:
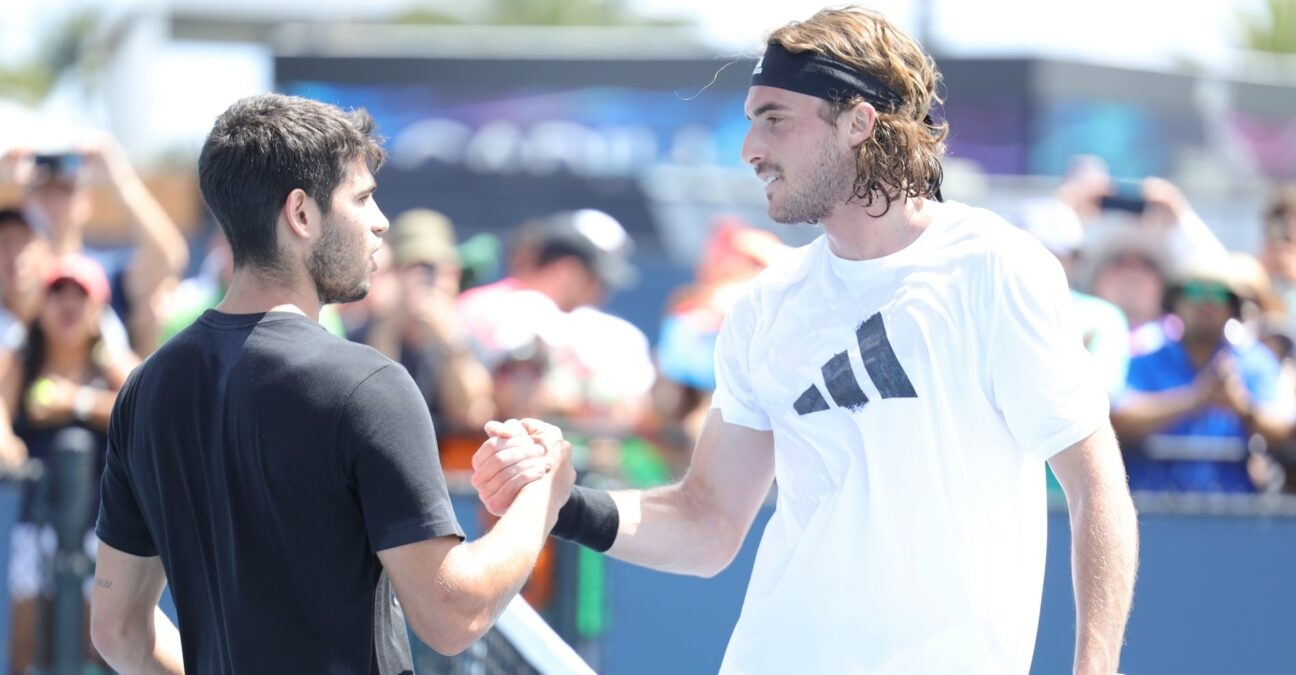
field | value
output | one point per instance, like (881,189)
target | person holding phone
(1278,244)
(1191,407)
(57,200)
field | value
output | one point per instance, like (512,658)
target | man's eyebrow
(766,107)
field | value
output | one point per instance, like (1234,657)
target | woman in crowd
(63,376)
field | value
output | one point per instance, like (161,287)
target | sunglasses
(1207,293)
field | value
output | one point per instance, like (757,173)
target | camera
(1127,198)
(62,167)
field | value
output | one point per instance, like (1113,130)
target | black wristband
(589,518)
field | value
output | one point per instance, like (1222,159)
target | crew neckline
(218,319)
(857,269)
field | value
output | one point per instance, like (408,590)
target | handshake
(522,455)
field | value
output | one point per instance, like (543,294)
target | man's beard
(828,184)
(333,267)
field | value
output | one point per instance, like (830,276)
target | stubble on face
(826,183)
(337,265)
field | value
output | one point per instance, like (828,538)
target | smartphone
(1123,201)
(63,166)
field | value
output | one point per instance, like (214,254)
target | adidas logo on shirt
(880,362)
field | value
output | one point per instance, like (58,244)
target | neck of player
(858,232)
(252,291)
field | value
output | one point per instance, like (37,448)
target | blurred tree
(426,15)
(1272,29)
(545,13)
(79,46)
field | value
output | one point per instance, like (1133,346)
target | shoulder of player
(789,268)
(989,242)
(328,360)
(767,287)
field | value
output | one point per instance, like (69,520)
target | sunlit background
(500,111)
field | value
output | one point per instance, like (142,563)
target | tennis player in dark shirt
(276,476)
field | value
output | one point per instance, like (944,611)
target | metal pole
(74,463)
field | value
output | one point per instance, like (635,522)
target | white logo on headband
(758,66)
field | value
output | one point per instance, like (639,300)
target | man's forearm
(483,575)
(1104,561)
(151,648)
(668,529)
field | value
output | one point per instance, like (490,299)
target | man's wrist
(589,518)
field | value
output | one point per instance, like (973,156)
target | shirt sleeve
(735,396)
(1042,380)
(387,437)
(121,522)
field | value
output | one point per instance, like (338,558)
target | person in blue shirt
(1191,409)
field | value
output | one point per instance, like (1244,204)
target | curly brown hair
(902,155)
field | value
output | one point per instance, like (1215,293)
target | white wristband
(83,404)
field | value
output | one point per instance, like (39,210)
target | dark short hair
(264,147)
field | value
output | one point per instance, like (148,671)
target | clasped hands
(519,453)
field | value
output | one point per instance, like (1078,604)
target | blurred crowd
(1196,343)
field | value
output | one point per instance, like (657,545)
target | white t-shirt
(913,400)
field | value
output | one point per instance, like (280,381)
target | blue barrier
(1215,595)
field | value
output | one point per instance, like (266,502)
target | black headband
(814,74)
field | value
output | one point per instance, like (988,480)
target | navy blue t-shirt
(267,461)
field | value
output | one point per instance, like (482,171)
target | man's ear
(860,120)
(298,212)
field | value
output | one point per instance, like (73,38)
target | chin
(785,218)
(341,297)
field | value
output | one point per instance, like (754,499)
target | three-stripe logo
(880,362)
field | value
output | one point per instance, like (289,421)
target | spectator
(1278,250)
(1277,471)
(58,202)
(562,268)
(24,257)
(734,254)
(1152,204)
(423,332)
(1151,227)
(1102,324)
(1129,270)
(1192,405)
(62,377)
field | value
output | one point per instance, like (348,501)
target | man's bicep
(394,463)
(733,467)
(126,587)
(1090,465)
(121,520)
